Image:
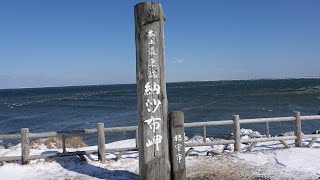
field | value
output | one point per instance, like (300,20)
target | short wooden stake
(236,133)
(25,150)
(137,138)
(297,130)
(63,141)
(176,145)
(267,129)
(204,134)
(101,143)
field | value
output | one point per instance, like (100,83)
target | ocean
(80,107)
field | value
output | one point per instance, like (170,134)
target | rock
(316,132)
(7,146)
(196,139)
(189,151)
(260,178)
(229,147)
(291,133)
(214,153)
(249,132)
(204,177)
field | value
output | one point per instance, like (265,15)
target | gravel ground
(229,167)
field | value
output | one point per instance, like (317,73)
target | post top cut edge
(148,12)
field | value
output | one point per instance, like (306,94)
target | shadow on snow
(75,164)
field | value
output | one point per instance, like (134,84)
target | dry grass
(218,168)
(75,142)
(55,142)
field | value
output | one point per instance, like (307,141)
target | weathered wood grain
(25,142)
(137,138)
(307,118)
(176,145)
(311,136)
(63,142)
(204,134)
(236,133)
(262,120)
(101,143)
(267,129)
(153,163)
(297,129)
(268,139)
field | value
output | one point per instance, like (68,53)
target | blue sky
(59,43)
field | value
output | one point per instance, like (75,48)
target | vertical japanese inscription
(154,159)
(152,91)
(178,146)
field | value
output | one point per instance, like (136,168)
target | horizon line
(66,86)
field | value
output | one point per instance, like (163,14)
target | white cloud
(178,60)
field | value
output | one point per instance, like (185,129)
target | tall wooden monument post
(154,159)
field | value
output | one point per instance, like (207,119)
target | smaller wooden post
(176,145)
(204,134)
(101,143)
(297,129)
(268,129)
(236,133)
(137,137)
(25,150)
(63,141)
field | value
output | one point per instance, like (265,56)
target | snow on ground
(293,163)
(268,160)
(72,167)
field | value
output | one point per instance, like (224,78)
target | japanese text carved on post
(151,92)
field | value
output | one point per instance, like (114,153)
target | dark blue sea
(71,108)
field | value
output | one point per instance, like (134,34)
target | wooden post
(284,143)
(63,141)
(176,144)
(101,143)
(268,129)
(311,142)
(252,146)
(204,134)
(25,150)
(154,160)
(297,129)
(236,133)
(137,137)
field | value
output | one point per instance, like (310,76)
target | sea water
(73,108)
